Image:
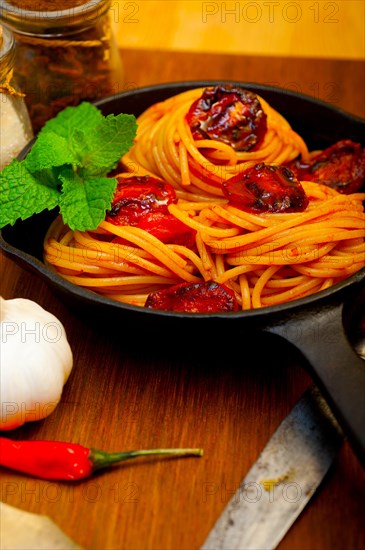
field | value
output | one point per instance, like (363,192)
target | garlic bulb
(35,362)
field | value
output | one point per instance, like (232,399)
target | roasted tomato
(341,166)
(266,188)
(229,114)
(142,202)
(136,196)
(207,297)
(168,229)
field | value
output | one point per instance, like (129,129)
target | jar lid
(58,22)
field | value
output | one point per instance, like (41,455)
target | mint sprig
(68,167)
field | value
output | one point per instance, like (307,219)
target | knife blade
(283,479)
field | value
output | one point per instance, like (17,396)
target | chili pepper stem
(103,459)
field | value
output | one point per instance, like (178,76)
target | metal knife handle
(337,370)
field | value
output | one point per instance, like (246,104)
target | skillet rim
(189,84)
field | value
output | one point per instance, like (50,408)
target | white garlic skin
(35,362)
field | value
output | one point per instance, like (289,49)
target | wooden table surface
(228,401)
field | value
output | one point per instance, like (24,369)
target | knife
(283,479)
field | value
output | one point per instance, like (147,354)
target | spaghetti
(165,147)
(264,258)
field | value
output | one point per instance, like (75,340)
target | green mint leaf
(75,150)
(84,201)
(50,150)
(21,195)
(49,177)
(85,116)
(99,151)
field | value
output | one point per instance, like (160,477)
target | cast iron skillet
(317,325)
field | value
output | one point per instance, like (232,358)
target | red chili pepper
(68,461)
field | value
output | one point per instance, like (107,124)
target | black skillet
(318,325)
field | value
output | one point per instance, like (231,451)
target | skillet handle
(336,368)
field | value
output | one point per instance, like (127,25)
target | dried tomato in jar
(66,53)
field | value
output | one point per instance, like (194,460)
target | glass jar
(15,126)
(66,53)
